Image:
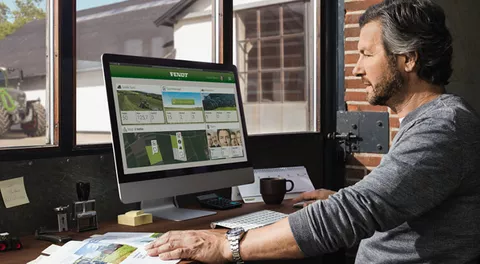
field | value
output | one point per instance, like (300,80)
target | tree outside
(24,12)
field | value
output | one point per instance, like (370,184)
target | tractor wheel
(5,121)
(38,125)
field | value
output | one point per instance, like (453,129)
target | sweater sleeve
(420,171)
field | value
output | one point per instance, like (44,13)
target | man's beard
(389,86)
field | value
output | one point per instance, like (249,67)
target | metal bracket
(366,132)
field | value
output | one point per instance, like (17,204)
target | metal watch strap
(235,248)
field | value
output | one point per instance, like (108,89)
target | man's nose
(358,70)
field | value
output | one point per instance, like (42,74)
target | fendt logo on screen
(179,74)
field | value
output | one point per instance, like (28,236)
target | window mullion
(282,59)
(67,75)
(259,59)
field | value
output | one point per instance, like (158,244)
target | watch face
(235,231)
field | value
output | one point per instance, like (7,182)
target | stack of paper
(115,248)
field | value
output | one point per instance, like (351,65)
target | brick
(351,45)
(355,96)
(349,72)
(352,32)
(354,173)
(352,18)
(360,5)
(394,122)
(393,134)
(351,58)
(366,108)
(371,161)
(354,84)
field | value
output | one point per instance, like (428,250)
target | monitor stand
(165,208)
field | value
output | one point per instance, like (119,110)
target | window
(25,70)
(143,28)
(271,49)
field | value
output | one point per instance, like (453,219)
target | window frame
(64,82)
(63,143)
(281,37)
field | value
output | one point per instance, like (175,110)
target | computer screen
(177,126)
(176,118)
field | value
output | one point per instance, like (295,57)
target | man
(239,138)
(209,140)
(224,137)
(422,203)
(215,142)
(233,138)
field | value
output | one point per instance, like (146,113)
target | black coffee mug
(83,191)
(273,189)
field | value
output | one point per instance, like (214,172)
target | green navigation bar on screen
(141,72)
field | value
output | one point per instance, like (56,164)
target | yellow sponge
(135,218)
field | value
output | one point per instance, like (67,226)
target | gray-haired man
(422,203)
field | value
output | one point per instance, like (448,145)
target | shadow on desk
(33,248)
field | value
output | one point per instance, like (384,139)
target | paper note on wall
(13,192)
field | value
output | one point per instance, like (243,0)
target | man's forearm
(271,242)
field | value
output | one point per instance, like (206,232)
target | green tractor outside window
(15,109)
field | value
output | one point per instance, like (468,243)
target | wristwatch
(234,236)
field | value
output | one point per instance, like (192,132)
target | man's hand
(209,246)
(312,196)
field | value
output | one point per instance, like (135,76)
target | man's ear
(411,59)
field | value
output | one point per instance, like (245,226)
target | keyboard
(251,220)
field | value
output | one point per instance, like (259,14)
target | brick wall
(361,164)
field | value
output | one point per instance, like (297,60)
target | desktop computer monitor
(178,127)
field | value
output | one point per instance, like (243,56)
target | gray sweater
(420,205)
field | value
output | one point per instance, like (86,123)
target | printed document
(110,248)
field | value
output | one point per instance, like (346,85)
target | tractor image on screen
(15,109)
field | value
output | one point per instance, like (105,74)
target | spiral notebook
(250,193)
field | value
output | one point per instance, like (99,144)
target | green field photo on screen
(219,102)
(139,101)
(182,101)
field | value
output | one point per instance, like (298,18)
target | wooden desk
(33,248)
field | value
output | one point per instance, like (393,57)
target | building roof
(99,30)
(170,17)
(26,46)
